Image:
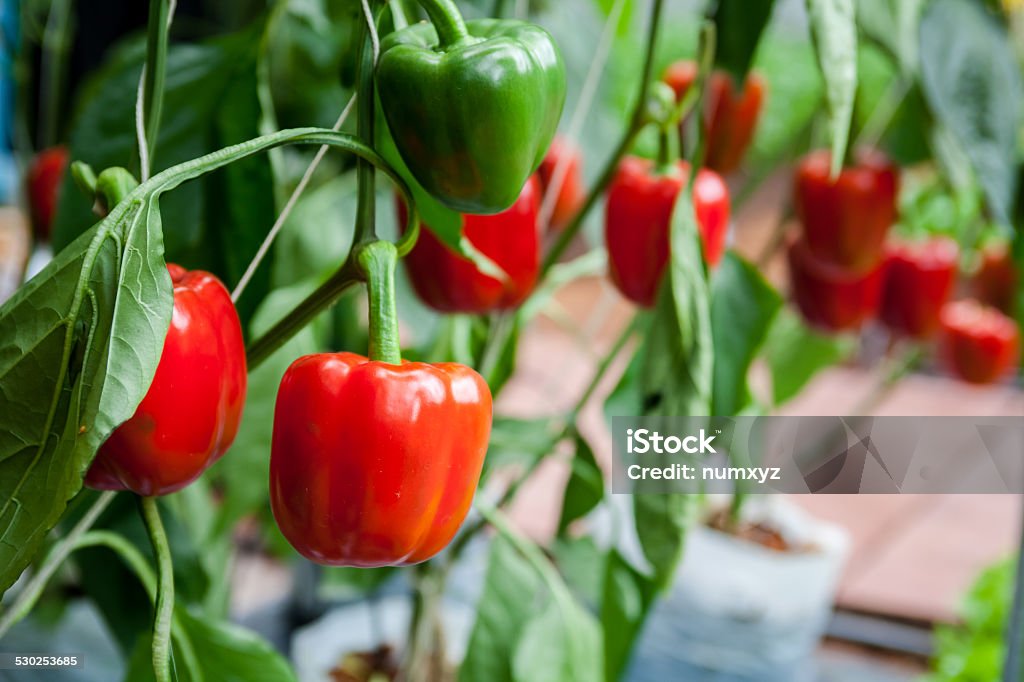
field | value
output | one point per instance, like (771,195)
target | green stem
(26,599)
(666,157)
(164,610)
(498,11)
(366,226)
(52,69)
(314,304)
(447,20)
(637,122)
(111,188)
(158,33)
(377,266)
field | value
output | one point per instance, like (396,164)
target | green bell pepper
(471,106)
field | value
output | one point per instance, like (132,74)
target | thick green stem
(164,609)
(637,122)
(377,265)
(158,33)
(447,20)
(314,304)
(26,599)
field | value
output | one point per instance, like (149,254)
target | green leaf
(971,79)
(585,488)
(581,562)
(627,597)
(834,31)
(79,345)
(511,587)
(795,353)
(218,223)
(625,19)
(743,306)
(223,652)
(519,443)
(677,358)
(661,524)
(738,28)
(561,644)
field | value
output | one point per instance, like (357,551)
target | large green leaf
(627,596)
(79,345)
(738,28)
(834,30)
(507,604)
(971,79)
(677,356)
(585,488)
(211,101)
(661,524)
(743,306)
(560,644)
(795,353)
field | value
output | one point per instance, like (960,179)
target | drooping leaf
(971,79)
(796,353)
(661,523)
(626,599)
(79,345)
(743,306)
(738,28)
(834,30)
(560,644)
(508,602)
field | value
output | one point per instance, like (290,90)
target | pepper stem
(668,150)
(377,262)
(447,20)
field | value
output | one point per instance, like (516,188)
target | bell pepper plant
(272,388)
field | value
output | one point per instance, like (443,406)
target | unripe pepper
(44,177)
(375,462)
(570,195)
(472,106)
(918,281)
(448,282)
(638,213)
(828,297)
(978,344)
(845,222)
(995,281)
(731,116)
(191,412)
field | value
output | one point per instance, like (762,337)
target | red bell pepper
(638,213)
(978,344)
(731,116)
(191,412)
(995,281)
(44,177)
(448,282)
(918,281)
(831,298)
(376,464)
(845,222)
(571,195)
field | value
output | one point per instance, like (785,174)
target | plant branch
(164,609)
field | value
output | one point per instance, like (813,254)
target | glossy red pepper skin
(375,464)
(44,177)
(830,298)
(638,214)
(190,415)
(450,283)
(978,343)
(918,281)
(731,116)
(995,282)
(570,196)
(845,222)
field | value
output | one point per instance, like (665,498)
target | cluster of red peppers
(846,268)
